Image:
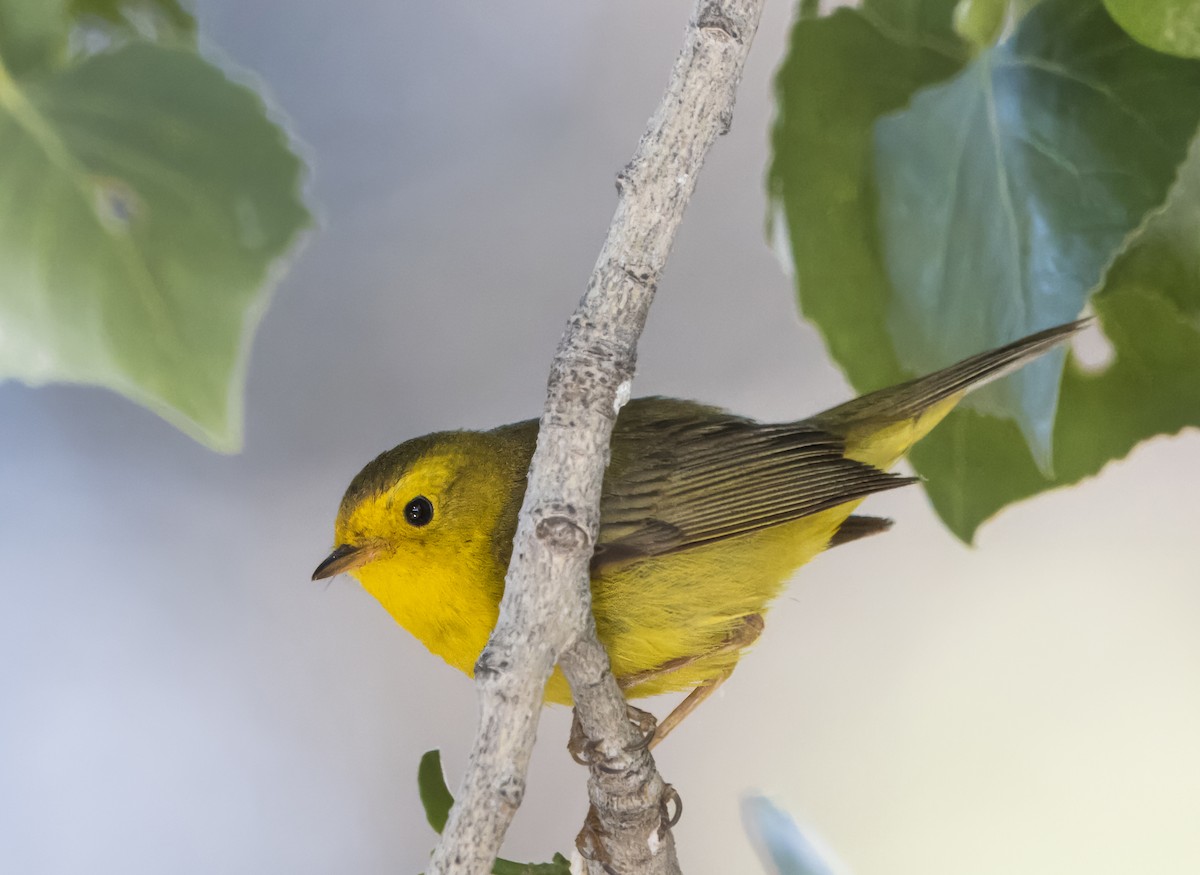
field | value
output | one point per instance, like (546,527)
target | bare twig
(545,616)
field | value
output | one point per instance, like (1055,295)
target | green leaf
(980,22)
(1149,309)
(559,866)
(33,34)
(435,795)
(841,73)
(144,199)
(437,801)
(1171,26)
(844,72)
(163,21)
(927,23)
(1000,210)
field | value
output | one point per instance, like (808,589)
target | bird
(704,517)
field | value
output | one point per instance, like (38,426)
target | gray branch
(545,615)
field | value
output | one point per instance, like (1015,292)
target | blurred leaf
(171,11)
(841,73)
(33,35)
(162,21)
(929,22)
(1000,210)
(1149,309)
(437,802)
(435,795)
(980,22)
(559,866)
(780,843)
(145,200)
(1171,26)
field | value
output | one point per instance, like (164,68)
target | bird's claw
(645,723)
(669,796)
(588,842)
(581,748)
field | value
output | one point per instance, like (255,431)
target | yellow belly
(685,604)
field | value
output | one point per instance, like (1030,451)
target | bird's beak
(345,557)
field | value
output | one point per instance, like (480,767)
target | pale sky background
(177,696)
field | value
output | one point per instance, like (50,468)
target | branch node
(491,662)
(511,790)
(625,176)
(561,533)
(725,120)
(713,19)
(641,276)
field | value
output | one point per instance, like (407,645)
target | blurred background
(177,696)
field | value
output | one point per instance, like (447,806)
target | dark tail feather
(856,527)
(909,399)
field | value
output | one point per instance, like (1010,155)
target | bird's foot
(645,723)
(585,751)
(589,842)
(670,797)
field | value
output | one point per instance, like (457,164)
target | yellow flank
(883,445)
(704,517)
(683,604)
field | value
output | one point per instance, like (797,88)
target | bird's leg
(583,749)
(743,636)
(686,707)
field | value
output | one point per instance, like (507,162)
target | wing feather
(683,475)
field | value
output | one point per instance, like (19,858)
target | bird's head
(431,504)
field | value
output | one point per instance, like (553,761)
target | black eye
(419,511)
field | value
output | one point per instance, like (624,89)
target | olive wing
(683,475)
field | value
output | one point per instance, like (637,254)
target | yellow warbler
(704,517)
